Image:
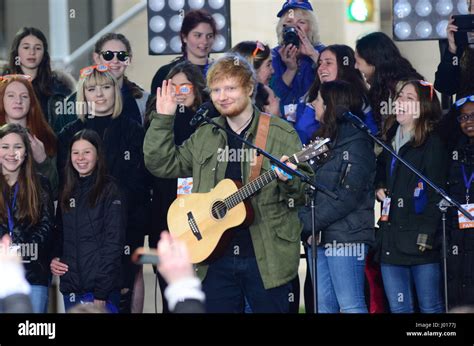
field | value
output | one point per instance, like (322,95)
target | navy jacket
(349,173)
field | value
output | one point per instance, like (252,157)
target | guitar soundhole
(219,210)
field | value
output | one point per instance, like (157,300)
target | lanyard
(467,183)
(392,165)
(11,222)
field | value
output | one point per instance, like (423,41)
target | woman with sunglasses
(123,138)
(189,85)
(459,230)
(26,210)
(29,55)
(19,105)
(455,73)
(407,241)
(92,214)
(259,56)
(197,34)
(115,51)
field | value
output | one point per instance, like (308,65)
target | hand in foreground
(174,259)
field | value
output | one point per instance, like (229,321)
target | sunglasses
(16,76)
(184,89)
(465,117)
(259,47)
(459,103)
(87,71)
(108,55)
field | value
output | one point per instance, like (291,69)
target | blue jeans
(399,281)
(231,280)
(39,299)
(72,299)
(340,278)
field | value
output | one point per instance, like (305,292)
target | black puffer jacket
(461,241)
(123,144)
(413,218)
(93,239)
(349,173)
(37,239)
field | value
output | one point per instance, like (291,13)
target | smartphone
(465,34)
(143,256)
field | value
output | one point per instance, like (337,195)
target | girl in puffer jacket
(91,218)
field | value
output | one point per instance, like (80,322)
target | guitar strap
(261,142)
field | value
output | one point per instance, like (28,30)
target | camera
(465,34)
(290,36)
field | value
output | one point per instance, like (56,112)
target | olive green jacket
(276,228)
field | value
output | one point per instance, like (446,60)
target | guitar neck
(251,188)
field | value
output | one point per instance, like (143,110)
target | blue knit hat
(289,4)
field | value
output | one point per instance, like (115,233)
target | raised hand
(306,48)
(174,259)
(450,30)
(166,99)
(37,148)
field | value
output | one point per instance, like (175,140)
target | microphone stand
(304,178)
(445,202)
(443,207)
(314,250)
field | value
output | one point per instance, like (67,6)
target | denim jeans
(231,280)
(340,278)
(39,299)
(399,282)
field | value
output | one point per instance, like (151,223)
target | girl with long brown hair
(407,245)
(29,55)
(92,225)
(26,210)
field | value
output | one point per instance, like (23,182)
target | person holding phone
(455,73)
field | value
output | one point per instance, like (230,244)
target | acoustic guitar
(202,220)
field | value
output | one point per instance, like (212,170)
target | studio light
(415,20)
(165,18)
(360,10)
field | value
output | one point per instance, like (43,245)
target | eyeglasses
(459,103)
(465,117)
(428,84)
(259,47)
(108,55)
(16,76)
(184,89)
(87,71)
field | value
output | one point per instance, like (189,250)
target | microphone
(343,113)
(202,112)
